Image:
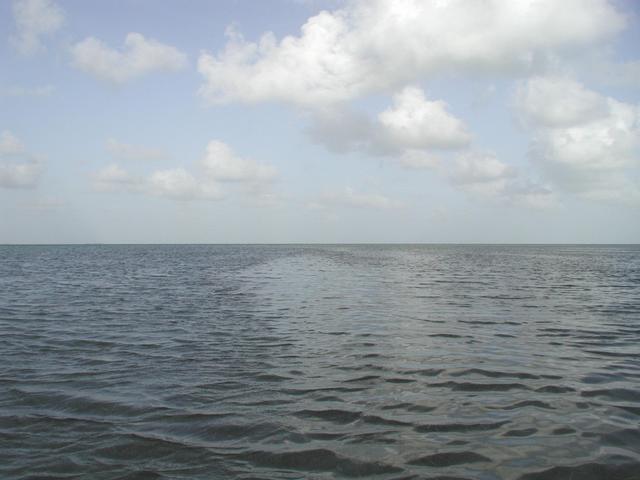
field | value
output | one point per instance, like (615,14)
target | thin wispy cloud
(35,20)
(18,167)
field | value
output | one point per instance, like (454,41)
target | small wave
(318,460)
(624,394)
(529,403)
(480,387)
(447,459)
(587,471)
(522,432)
(459,427)
(342,417)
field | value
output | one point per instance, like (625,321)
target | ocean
(320,361)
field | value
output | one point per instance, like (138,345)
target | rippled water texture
(475,362)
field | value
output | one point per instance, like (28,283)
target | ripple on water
(251,362)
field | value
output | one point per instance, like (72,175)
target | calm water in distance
(321,362)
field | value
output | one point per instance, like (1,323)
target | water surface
(474,362)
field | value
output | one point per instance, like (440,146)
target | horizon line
(312,243)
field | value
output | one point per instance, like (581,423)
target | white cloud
(220,163)
(415,122)
(594,155)
(18,167)
(128,151)
(481,173)
(407,132)
(10,144)
(178,184)
(139,57)
(18,91)
(19,175)
(34,19)
(348,197)
(372,45)
(558,102)
(114,178)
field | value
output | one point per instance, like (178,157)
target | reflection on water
(477,362)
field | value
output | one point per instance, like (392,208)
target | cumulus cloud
(348,197)
(139,57)
(128,151)
(414,122)
(558,102)
(372,45)
(18,167)
(34,19)
(408,131)
(584,142)
(114,178)
(482,174)
(19,175)
(221,164)
(218,166)
(179,184)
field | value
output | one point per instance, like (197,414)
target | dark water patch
(331,415)
(528,403)
(555,389)
(142,475)
(458,443)
(522,432)
(626,437)
(307,391)
(373,438)
(271,378)
(459,427)
(364,378)
(317,460)
(599,378)
(587,471)
(396,406)
(447,459)
(376,420)
(425,372)
(480,387)
(624,394)
(495,374)
(629,408)
(399,380)
(420,408)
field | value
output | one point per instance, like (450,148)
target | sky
(320,121)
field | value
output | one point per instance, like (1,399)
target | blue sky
(319,121)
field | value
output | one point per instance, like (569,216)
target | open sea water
(320,362)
